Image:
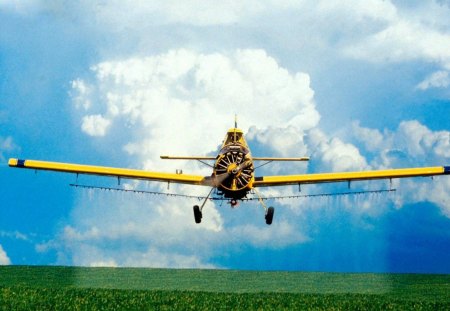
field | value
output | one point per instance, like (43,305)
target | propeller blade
(217,180)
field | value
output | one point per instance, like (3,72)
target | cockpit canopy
(234,136)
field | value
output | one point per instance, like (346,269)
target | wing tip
(446,170)
(16,162)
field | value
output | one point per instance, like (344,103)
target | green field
(74,288)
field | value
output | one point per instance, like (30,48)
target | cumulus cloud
(412,144)
(163,98)
(374,31)
(181,103)
(418,140)
(283,141)
(412,141)
(4,259)
(336,155)
(372,138)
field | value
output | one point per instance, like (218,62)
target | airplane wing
(266,181)
(111,171)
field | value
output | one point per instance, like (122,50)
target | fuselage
(233,169)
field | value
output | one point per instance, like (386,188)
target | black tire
(197,214)
(269,215)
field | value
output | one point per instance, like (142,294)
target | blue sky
(354,86)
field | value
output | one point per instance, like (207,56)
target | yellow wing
(267,181)
(110,171)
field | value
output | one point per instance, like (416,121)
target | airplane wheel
(197,214)
(269,215)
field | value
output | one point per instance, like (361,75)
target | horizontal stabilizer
(166,157)
(280,159)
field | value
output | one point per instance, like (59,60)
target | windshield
(233,137)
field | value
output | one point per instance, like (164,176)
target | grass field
(74,288)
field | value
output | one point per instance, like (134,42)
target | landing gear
(269,215)
(197,214)
(269,211)
(198,209)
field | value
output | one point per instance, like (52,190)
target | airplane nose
(234,170)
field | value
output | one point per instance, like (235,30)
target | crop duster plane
(233,173)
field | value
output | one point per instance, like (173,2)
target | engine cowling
(234,169)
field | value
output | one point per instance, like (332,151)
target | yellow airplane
(233,173)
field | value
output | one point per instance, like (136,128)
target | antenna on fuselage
(235,127)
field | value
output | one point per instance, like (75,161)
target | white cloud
(340,156)
(4,259)
(413,145)
(374,30)
(405,39)
(420,141)
(181,103)
(438,79)
(333,154)
(372,138)
(82,91)
(162,99)
(285,141)
(412,141)
(95,125)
